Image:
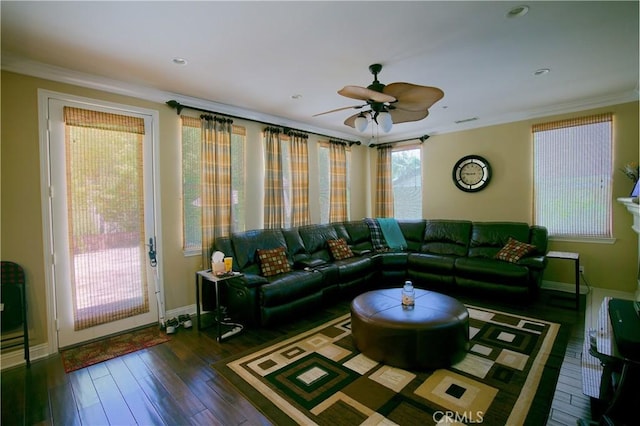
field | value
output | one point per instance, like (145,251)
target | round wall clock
(471,173)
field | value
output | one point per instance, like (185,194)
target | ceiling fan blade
(340,109)
(403,116)
(364,94)
(412,97)
(351,121)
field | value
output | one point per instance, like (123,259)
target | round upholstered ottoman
(432,334)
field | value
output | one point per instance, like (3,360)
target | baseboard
(16,358)
(564,287)
(36,352)
(184,310)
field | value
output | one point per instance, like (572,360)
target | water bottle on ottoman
(408,295)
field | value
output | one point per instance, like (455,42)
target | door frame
(47,216)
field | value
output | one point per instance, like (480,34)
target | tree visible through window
(406,169)
(573,167)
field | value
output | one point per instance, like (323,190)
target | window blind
(573,176)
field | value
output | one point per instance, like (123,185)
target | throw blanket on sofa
(385,234)
(377,239)
(392,233)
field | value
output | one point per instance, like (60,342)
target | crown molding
(20,65)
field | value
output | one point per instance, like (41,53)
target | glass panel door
(99,175)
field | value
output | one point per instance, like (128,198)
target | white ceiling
(250,58)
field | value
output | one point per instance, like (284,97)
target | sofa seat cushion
(288,287)
(491,270)
(432,263)
(354,266)
(392,260)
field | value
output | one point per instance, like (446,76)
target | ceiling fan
(388,104)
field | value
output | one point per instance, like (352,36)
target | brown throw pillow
(339,249)
(273,261)
(514,250)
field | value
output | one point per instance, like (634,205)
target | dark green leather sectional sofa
(449,256)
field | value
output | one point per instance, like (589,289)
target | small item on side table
(228,264)
(408,295)
(217,263)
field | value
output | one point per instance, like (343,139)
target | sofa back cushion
(359,235)
(450,237)
(487,238)
(295,245)
(341,230)
(315,239)
(413,231)
(246,245)
(224,245)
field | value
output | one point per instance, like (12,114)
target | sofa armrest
(309,262)
(534,262)
(360,252)
(253,280)
(538,236)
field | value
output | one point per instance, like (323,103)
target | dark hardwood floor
(173,383)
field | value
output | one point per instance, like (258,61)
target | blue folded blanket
(392,233)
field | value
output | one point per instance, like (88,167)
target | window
(286,176)
(191,172)
(324,181)
(573,176)
(406,171)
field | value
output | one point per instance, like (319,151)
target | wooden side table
(575,257)
(211,277)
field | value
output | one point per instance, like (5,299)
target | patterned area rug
(319,377)
(111,347)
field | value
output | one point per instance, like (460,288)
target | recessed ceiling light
(179,61)
(541,71)
(518,11)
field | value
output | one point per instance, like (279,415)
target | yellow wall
(508,197)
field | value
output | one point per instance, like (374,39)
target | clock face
(471,173)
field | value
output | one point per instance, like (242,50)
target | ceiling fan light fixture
(385,122)
(361,123)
